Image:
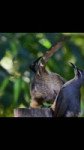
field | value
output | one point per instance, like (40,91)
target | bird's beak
(36,61)
(73,65)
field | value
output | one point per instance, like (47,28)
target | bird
(35,64)
(45,85)
(67,103)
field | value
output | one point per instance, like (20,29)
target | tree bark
(33,112)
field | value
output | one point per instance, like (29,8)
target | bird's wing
(61,105)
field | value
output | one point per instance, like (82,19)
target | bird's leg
(70,114)
(81,113)
(34,104)
(53,107)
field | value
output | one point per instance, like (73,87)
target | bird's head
(78,72)
(34,65)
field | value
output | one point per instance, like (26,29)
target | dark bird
(68,100)
(45,85)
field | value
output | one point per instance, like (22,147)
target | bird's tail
(51,52)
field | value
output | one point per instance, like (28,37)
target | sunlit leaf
(45,42)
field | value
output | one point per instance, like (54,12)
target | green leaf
(13,47)
(47,104)
(17,89)
(4,84)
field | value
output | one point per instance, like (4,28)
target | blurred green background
(18,50)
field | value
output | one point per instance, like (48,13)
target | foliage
(18,50)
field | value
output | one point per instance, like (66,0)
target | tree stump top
(32,112)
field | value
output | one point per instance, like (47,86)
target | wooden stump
(33,112)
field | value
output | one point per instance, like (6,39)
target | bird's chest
(40,83)
(73,97)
